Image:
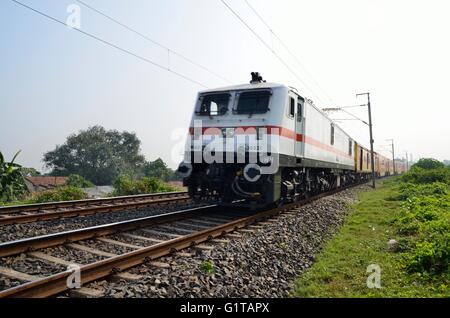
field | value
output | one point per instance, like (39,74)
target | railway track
(46,211)
(140,240)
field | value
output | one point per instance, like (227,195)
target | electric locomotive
(262,144)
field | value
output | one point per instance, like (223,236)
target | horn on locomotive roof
(256,78)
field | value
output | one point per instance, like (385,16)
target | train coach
(263,143)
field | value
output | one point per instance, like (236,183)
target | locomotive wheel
(197,199)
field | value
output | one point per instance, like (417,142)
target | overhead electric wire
(350,106)
(354,116)
(112,45)
(336,109)
(288,50)
(154,41)
(271,49)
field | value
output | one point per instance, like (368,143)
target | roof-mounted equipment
(256,78)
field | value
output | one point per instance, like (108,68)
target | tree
(429,163)
(97,154)
(75,180)
(12,184)
(157,169)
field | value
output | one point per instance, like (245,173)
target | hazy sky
(55,81)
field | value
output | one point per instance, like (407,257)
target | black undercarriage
(228,183)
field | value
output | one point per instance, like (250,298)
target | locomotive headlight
(185,169)
(252,172)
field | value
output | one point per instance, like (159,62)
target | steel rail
(57,283)
(38,242)
(16,219)
(73,203)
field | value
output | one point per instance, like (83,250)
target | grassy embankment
(413,210)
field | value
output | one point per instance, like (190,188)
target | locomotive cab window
(332,135)
(350,144)
(256,102)
(213,104)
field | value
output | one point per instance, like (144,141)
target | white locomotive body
(263,143)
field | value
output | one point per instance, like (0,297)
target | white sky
(55,81)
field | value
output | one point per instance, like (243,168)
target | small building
(42,183)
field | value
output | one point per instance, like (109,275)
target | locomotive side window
(350,144)
(213,104)
(361,159)
(253,102)
(292,107)
(332,135)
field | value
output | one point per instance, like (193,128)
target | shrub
(425,218)
(66,193)
(419,175)
(409,190)
(124,185)
(78,181)
(12,185)
(430,257)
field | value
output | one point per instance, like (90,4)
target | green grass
(207,267)
(340,269)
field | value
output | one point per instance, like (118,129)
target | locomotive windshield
(213,104)
(256,102)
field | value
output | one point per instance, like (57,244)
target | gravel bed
(6,283)
(212,219)
(73,255)
(151,235)
(260,264)
(106,247)
(20,231)
(192,226)
(129,240)
(170,230)
(31,266)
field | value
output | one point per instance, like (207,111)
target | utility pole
(393,154)
(406,161)
(372,159)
